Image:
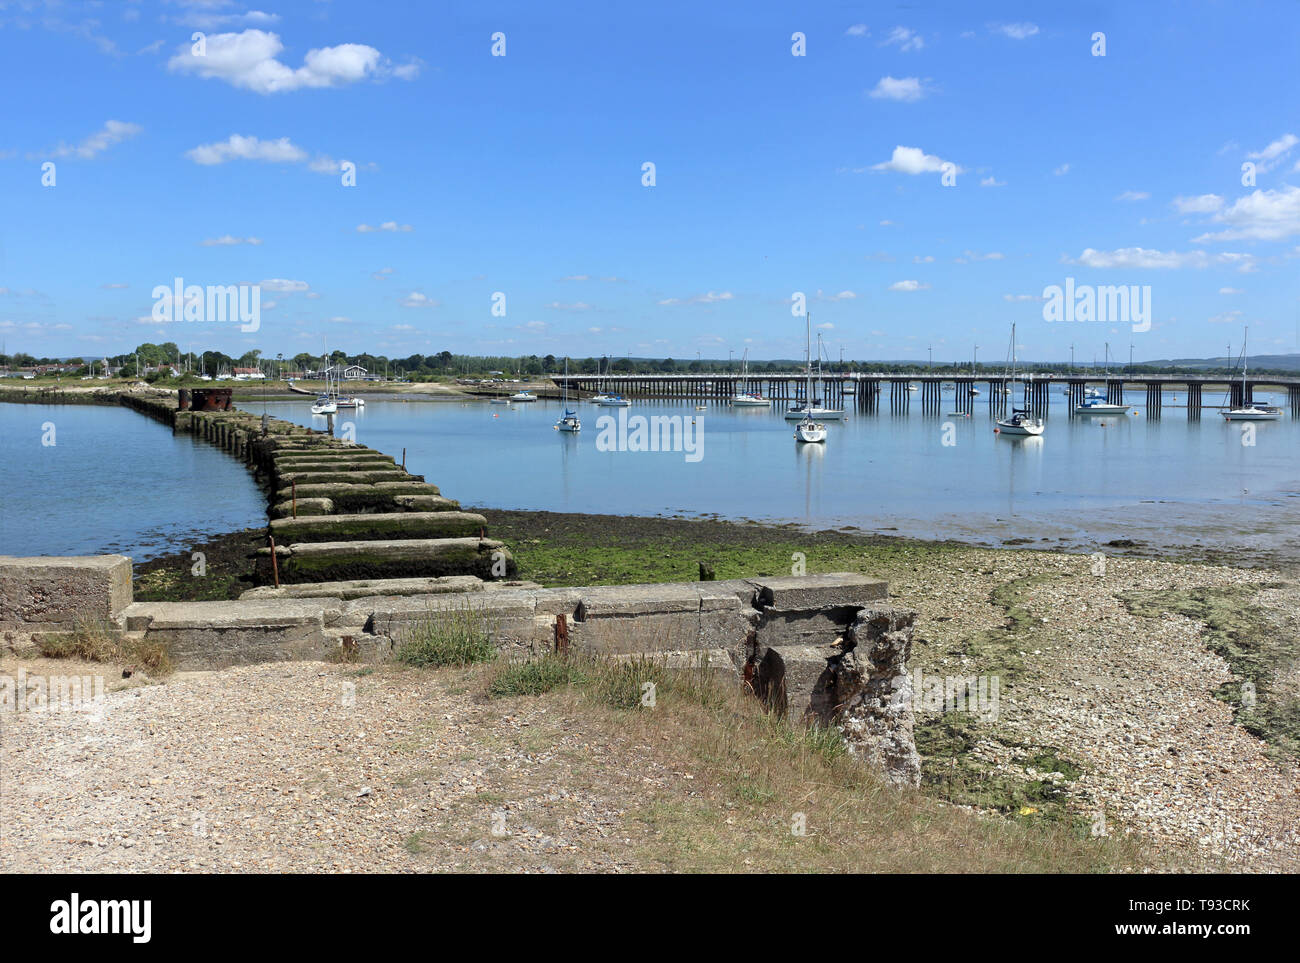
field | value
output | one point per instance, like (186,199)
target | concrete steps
(378,526)
(388,558)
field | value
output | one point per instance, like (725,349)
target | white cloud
(1261,216)
(417,300)
(1227,317)
(1231,291)
(826,326)
(238,147)
(248,60)
(1016,31)
(283,286)
(390,226)
(1269,157)
(908,286)
(382,274)
(1133,196)
(227,240)
(575,306)
(113,132)
(911,160)
(969,256)
(111,286)
(832,298)
(710,297)
(904,38)
(1062,170)
(906,89)
(991,181)
(858,30)
(1022,297)
(926,259)
(1148,259)
(1202,204)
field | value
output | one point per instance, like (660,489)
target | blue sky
(774,174)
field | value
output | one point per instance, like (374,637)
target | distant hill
(1273,362)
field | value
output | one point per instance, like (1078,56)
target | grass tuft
(448,637)
(98,642)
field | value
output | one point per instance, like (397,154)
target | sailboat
(1249,411)
(570,420)
(810,408)
(326,402)
(600,396)
(748,399)
(1094,403)
(808,430)
(1021,421)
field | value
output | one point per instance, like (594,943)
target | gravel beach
(313,767)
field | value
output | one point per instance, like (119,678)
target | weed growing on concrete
(457,636)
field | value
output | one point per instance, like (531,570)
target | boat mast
(807,359)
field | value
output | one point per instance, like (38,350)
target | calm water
(117,481)
(1165,481)
(114,482)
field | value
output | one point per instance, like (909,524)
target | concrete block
(838,589)
(369,588)
(59,591)
(377,526)
(797,682)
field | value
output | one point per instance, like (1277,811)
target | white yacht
(1248,410)
(1021,421)
(808,430)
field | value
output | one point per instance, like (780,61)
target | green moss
(950,771)
(1256,648)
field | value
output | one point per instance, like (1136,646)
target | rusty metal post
(403,459)
(561,634)
(275,563)
(293,486)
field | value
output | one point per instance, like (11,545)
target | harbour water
(1086,481)
(114,481)
(1159,482)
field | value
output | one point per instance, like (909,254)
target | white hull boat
(1020,423)
(614,401)
(522,396)
(1250,411)
(750,401)
(810,431)
(799,412)
(570,420)
(1253,413)
(324,407)
(1093,406)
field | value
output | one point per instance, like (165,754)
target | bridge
(868,391)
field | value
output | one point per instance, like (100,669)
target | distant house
(354,372)
(248,374)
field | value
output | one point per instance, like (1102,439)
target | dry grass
(754,780)
(96,642)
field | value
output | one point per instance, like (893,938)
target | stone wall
(49,593)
